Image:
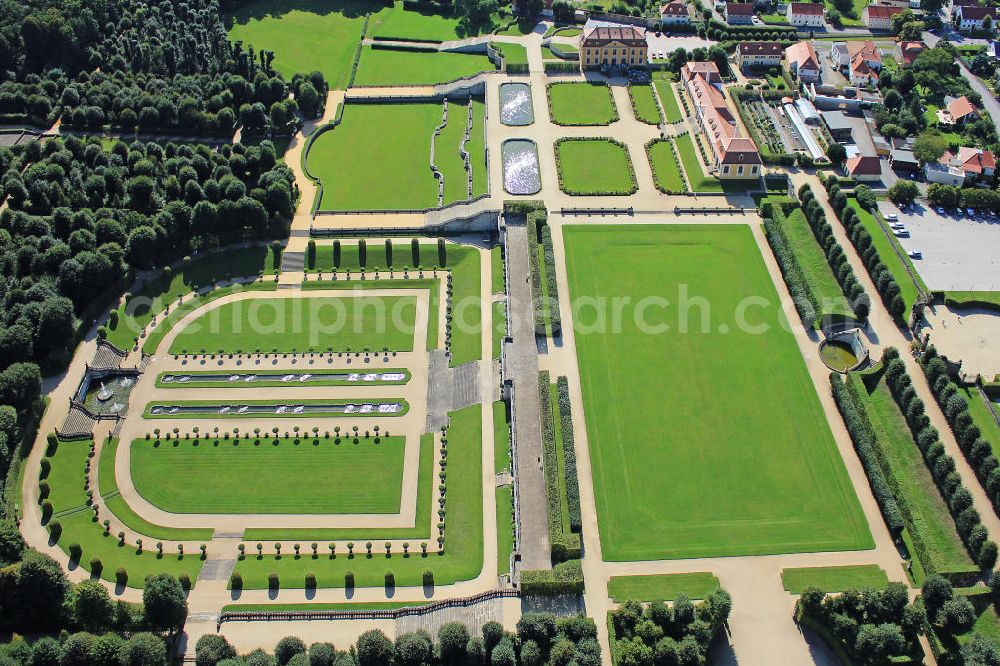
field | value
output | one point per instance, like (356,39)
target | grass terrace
(696,176)
(505,528)
(665,90)
(396,67)
(887,250)
(513,54)
(644,104)
(666,168)
(564,31)
(719,473)
(662,587)
(399,23)
(307,475)
(834,579)
(595,167)
(581,103)
(448,156)
(311,323)
(981,416)
(305,35)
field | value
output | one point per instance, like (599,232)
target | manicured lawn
(377,158)
(66,477)
(581,103)
(813,261)
(389,67)
(662,587)
(499,326)
(589,166)
(108,489)
(668,99)
(707,439)
(884,245)
(477,149)
(501,437)
(853,17)
(463,555)
(376,258)
(973,298)
(513,54)
(549,54)
(466,333)
(982,416)
(321,475)
(505,528)
(398,22)
(932,522)
(345,606)
(421,529)
(447,147)
(202,271)
(643,104)
(305,35)
(699,181)
(834,579)
(565,31)
(663,161)
(496,263)
(301,324)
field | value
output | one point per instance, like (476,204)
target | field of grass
(390,67)
(398,22)
(959,299)
(549,54)
(513,54)
(708,440)
(982,417)
(588,166)
(851,18)
(889,256)
(834,579)
(496,272)
(321,475)
(501,437)
(812,260)
(447,147)
(467,335)
(668,99)
(499,327)
(201,271)
(699,181)
(463,555)
(391,141)
(662,587)
(663,162)
(581,103)
(421,529)
(107,487)
(66,477)
(301,324)
(505,528)
(932,522)
(305,35)
(643,104)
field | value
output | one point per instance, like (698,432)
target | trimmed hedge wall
(564,545)
(806,302)
(569,455)
(540,233)
(563,578)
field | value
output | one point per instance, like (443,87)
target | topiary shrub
(272,581)
(310,581)
(236,581)
(75,552)
(96,566)
(185,581)
(55,530)
(428,578)
(121,576)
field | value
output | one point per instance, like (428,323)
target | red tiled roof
(882,11)
(910,51)
(977,13)
(960,108)
(739,9)
(739,150)
(807,8)
(864,165)
(674,9)
(605,35)
(803,54)
(759,48)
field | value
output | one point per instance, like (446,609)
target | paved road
(989,101)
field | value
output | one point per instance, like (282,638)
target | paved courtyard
(959,253)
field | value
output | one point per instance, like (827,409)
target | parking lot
(959,253)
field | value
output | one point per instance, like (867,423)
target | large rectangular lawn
(258,475)
(710,442)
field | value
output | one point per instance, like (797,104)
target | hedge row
(535,220)
(569,455)
(563,578)
(549,257)
(835,255)
(522,206)
(978,451)
(806,303)
(564,545)
(886,284)
(866,446)
(942,466)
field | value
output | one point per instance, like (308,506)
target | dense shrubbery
(563,578)
(541,638)
(805,300)
(839,264)
(872,625)
(679,633)
(884,281)
(564,545)
(569,455)
(941,465)
(540,233)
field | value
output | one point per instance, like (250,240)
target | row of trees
(941,465)
(886,284)
(834,253)
(540,639)
(678,634)
(963,197)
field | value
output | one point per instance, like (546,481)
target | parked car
(896,225)
(892,217)
(940,210)
(901,233)
(970,212)
(915,254)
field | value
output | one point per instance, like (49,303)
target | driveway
(959,253)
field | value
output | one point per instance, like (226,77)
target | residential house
(674,13)
(605,45)
(739,13)
(975,163)
(758,55)
(910,51)
(955,4)
(839,57)
(864,168)
(935,172)
(902,4)
(803,62)
(958,111)
(973,19)
(735,157)
(865,63)
(805,14)
(879,17)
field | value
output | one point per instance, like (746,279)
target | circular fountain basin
(515,104)
(843,351)
(520,167)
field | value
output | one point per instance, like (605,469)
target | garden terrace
(662,587)
(834,579)
(392,140)
(399,23)
(595,166)
(644,104)
(581,103)
(696,177)
(327,475)
(668,100)
(799,498)
(666,166)
(384,66)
